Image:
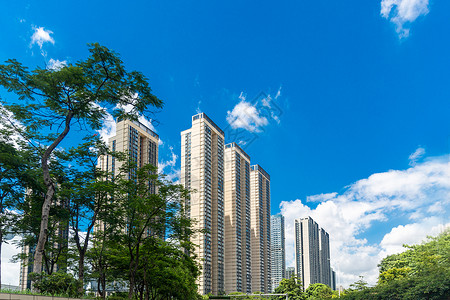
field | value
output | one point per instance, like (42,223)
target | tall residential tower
(136,139)
(277,250)
(237,220)
(312,253)
(260,228)
(202,171)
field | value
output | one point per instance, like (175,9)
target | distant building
(260,228)
(333,280)
(324,256)
(312,253)
(290,272)
(277,250)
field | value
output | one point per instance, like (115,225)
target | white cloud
(403,12)
(254,116)
(416,156)
(168,163)
(7,121)
(245,115)
(129,107)
(278,93)
(56,64)
(320,197)
(198,109)
(422,190)
(167,167)
(10,271)
(411,233)
(41,36)
(108,129)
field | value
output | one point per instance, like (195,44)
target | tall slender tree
(51,101)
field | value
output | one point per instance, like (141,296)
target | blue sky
(344,102)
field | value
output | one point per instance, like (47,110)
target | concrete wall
(5,296)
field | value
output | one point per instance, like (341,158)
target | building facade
(237,220)
(290,272)
(260,229)
(202,171)
(136,139)
(307,251)
(324,256)
(312,253)
(277,250)
(333,280)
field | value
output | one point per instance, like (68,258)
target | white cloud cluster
(253,116)
(403,12)
(7,121)
(420,194)
(41,36)
(108,129)
(245,115)
(414,157)
(56,64)
(168,163)
(168,167)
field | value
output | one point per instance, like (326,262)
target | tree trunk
(81,273)
(1,242)
(37,264)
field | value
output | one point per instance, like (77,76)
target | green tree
(422,272)
(50,100)
(86,190)
(129,243)
(58,283)
(12,172)
(318,291)
(293,287)
(359,285)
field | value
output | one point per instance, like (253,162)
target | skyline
(359,138)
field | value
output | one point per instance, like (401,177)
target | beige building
(307,260)
(202,171)
(260,229)
(312,253)
(237,220)
(136,139)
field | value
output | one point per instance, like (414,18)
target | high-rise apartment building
(333,280)
(260,228)
(324,256)
(290,272)
(307,251)
(277,250)
(136,139)
(237,220)
(202,171)
(312,253)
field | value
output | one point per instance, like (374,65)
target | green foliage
(49,102)
(293,287)
(422,272)
(56,283)
(359,285)
(129,246)
(318,291)
(393,274)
